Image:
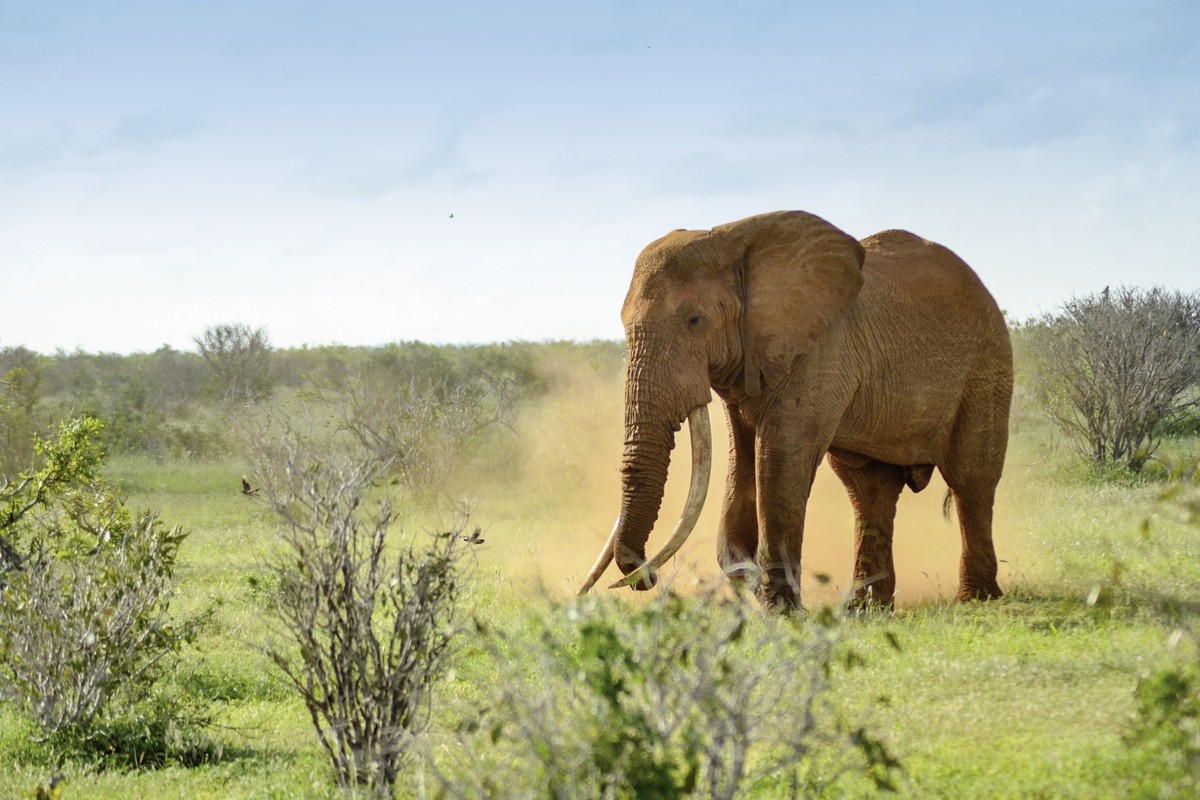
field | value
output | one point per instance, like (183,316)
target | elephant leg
(972,474)
(874,487)
(978,567)
(737,536)
(785,472)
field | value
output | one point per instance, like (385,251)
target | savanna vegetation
(328,572)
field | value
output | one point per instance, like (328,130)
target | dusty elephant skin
(888,355)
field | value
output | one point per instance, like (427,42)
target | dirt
(570,495)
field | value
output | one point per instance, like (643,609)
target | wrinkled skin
(888,356)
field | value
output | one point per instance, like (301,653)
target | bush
(364,635)
(149,402)
(139,422)
(61,504)
(421,428)
(1165,731)
(239,357)
(20,392)
(683,698)
(84,598)
(77,630)
(1112,368)
(1166,728)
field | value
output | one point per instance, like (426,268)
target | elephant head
(730,308)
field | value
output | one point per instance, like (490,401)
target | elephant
(886,355)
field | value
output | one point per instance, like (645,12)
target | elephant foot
(878,591)
(779,597)
(979,591)
(786,607)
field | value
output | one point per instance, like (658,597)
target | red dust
(569,497)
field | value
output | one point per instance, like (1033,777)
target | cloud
(439,155)
(23,159)
(140,135)
(132,137)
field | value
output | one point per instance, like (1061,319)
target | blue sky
(366,172)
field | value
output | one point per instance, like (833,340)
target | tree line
(1116,372)
(174,404)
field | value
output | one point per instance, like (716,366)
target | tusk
(701,433)
(605,558)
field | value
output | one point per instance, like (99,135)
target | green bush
(61,504)
(77,630)
(20,393)
(85,590)
(1166,728)
(682,698)
(1165,731)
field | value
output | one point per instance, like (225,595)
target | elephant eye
(693,322)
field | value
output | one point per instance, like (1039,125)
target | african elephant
(889,355)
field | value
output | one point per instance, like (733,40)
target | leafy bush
(160,403)
(76,630)
(61,504)
(364,634)
(137,422)
(1112,368)
(683,698)
(1165,730)
(1182,424)
(84,597)
(20,392)
(150,403)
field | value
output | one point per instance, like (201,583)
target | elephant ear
(799,275)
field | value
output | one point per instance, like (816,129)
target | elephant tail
(948,503)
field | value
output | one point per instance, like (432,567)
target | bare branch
(1112,368)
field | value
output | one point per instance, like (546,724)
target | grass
(1025,697)
(1028,696)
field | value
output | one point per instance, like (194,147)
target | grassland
(1026,697)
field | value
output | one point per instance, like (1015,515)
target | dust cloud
(548,525)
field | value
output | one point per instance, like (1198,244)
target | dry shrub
(364,630)
(240,359)
(1112,368)
(422,428)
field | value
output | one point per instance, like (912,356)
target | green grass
(1025,697)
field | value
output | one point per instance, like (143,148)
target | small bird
(1104,294)
(246,488)
(474,537)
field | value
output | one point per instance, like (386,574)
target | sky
(466,172)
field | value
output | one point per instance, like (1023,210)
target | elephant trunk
(643,575)
(644,475)
(644,464)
